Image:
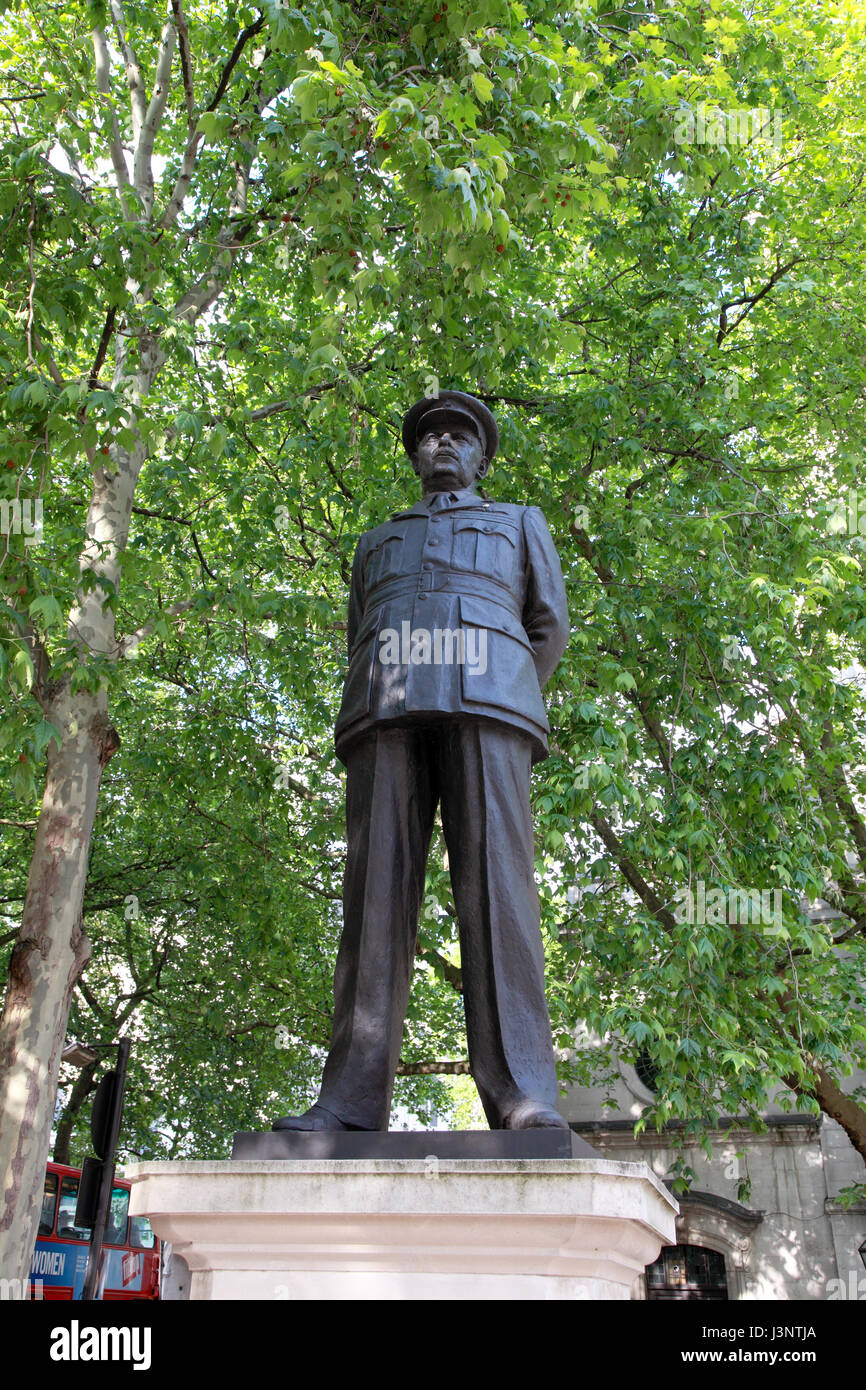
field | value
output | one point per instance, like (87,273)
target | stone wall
(791,1239)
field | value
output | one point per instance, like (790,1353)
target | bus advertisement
(131,1251)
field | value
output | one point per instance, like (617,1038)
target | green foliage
(533,205)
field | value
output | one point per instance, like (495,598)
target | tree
(245,162)
(235,249)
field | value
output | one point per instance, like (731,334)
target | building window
(687,1272)
(647,1070)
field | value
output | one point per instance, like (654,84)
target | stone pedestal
(434,1228)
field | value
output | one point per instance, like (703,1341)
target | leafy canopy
(575,214)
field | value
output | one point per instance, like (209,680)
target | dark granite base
(449,1144)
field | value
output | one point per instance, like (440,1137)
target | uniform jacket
(489,569)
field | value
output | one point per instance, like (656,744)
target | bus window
(49,1202)
(115,1231)
(66,1227)
(141,1235)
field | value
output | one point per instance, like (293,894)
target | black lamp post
(97,1174)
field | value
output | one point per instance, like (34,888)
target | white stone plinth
(408,1229)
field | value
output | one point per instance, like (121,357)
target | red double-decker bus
(130,1266)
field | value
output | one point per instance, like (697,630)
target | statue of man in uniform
(457,618)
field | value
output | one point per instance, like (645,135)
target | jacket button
(434,541)
(421,597)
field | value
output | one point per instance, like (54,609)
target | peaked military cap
(425,414)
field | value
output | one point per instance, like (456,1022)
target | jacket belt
(472,585)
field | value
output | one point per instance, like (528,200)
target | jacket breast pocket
(383,559)
(486,548)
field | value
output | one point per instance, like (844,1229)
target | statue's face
(449,456)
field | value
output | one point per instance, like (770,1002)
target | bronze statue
(457,618)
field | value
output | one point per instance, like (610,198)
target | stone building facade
(792,1240)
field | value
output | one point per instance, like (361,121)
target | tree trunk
(48,958)
(84,1086)
(834,1103)
(52,949)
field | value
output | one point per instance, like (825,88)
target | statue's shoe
(534,1114)
(316,1118)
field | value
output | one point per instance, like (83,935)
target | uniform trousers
(478,772)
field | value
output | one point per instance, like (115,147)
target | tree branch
(242,40)
(433,1069)
(53,369)
(133,73)
(187,168)
(452,973)
(210,285)
(185,64)
(833,1102)
(143,163)
(647,895)
(128,646)
(750,300)
(204,564)
(115,145)
(107,330)
(836,779)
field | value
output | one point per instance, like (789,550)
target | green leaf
(44,732)
(483,86)
(188,422)
(48,609)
